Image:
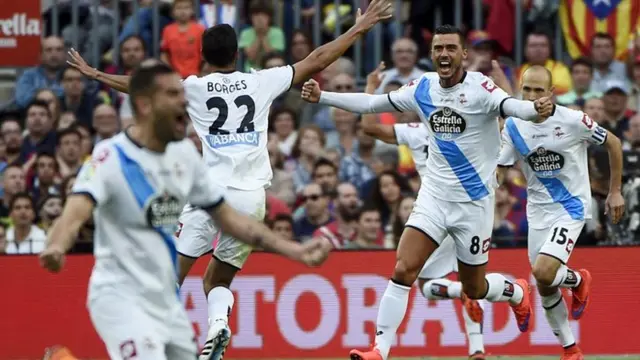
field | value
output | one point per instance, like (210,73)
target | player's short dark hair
(143,80)
(220,45)
(38,103)
(450,29)
(45,153)
(21,196)
(323,162)
(46,198)
(582,61)
(71,130)
(603,35)
(367,208)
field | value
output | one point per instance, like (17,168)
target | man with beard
(325,174)
(460,110)
(343,229)
(12,136)
(13,182)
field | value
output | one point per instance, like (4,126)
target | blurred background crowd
(329,177)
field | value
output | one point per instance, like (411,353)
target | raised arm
(118,82)
(326,54)
(370,124)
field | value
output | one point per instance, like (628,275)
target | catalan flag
(581,19)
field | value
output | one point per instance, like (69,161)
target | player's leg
(420,238)
(229,256)
(193,239)
(471,230)
(126,329)
(182,340)
(550,267)
(548,258)
(434,286)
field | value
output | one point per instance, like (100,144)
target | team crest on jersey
(447,124)
(462,99)
(163,212)
(558,131)
(545,163)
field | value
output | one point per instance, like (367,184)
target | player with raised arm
(552,153)
(137,183)
(230,110)
(460,110)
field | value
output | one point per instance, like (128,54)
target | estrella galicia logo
(163,212)
(224,140)
(446,124)
(545,163)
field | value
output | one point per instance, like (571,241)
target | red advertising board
(285,310)
(20,31)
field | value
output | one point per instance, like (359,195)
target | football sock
(474,331)
(393,307)
(220,301)
(557,315)
(566,278)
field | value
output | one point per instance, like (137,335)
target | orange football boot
(522,311)
(373,354)
(572,353)
(473,308)
(581,298)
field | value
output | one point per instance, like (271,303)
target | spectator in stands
(345,211)
(3,239)
(634,99)
(503,229)
(13,182)
(182,40)
(283,122)
(607,69)
(23,236)
(76,96)
(356,168)
(69,152)
(12,137)
(49,209)
(46,176)
(538,52)
(86,142)
(405,208)
(41,135)
(594,107)
(105,122)
(404,55)
(325,174)
(46,75)
(316,212)
(581,76)
(49,97)
(307,149)
(132,51)
(632,137)
(282,225)
(66,119)
(282,181)
(289,99)
(211,14)
(261,37)
(300,46)
(66,186)
(141,22)
(368,229)
(616,115)
(344,137)
(343,65)
(343,83)
(386,194)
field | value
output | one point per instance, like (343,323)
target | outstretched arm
(118,82)
(326,54)
(370,124)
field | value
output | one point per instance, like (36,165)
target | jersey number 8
(223,113)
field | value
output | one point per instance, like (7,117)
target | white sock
(566,278)
(220,300)
(441,289)
(558,317)
(474,332)
(393,307)
(501,290)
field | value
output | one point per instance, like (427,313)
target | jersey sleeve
(590,131)
(494,96)
(404,99)
(408,134)
(276,80)
(508,155)
(204,193)
(93,178)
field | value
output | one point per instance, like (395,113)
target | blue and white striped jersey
(553,158)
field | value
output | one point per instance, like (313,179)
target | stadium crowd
(329,177)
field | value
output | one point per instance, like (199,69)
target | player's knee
(475,290)
(544,275)
(405,272)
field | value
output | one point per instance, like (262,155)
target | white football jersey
(416,137)
(464,134)
(139,195)
(553,158)
(230,113)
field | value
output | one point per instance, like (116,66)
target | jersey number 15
(223,113)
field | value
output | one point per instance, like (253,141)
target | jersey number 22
(223,113)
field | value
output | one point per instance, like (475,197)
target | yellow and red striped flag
(581,19)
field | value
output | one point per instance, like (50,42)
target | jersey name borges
(464,135)
(230,113)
